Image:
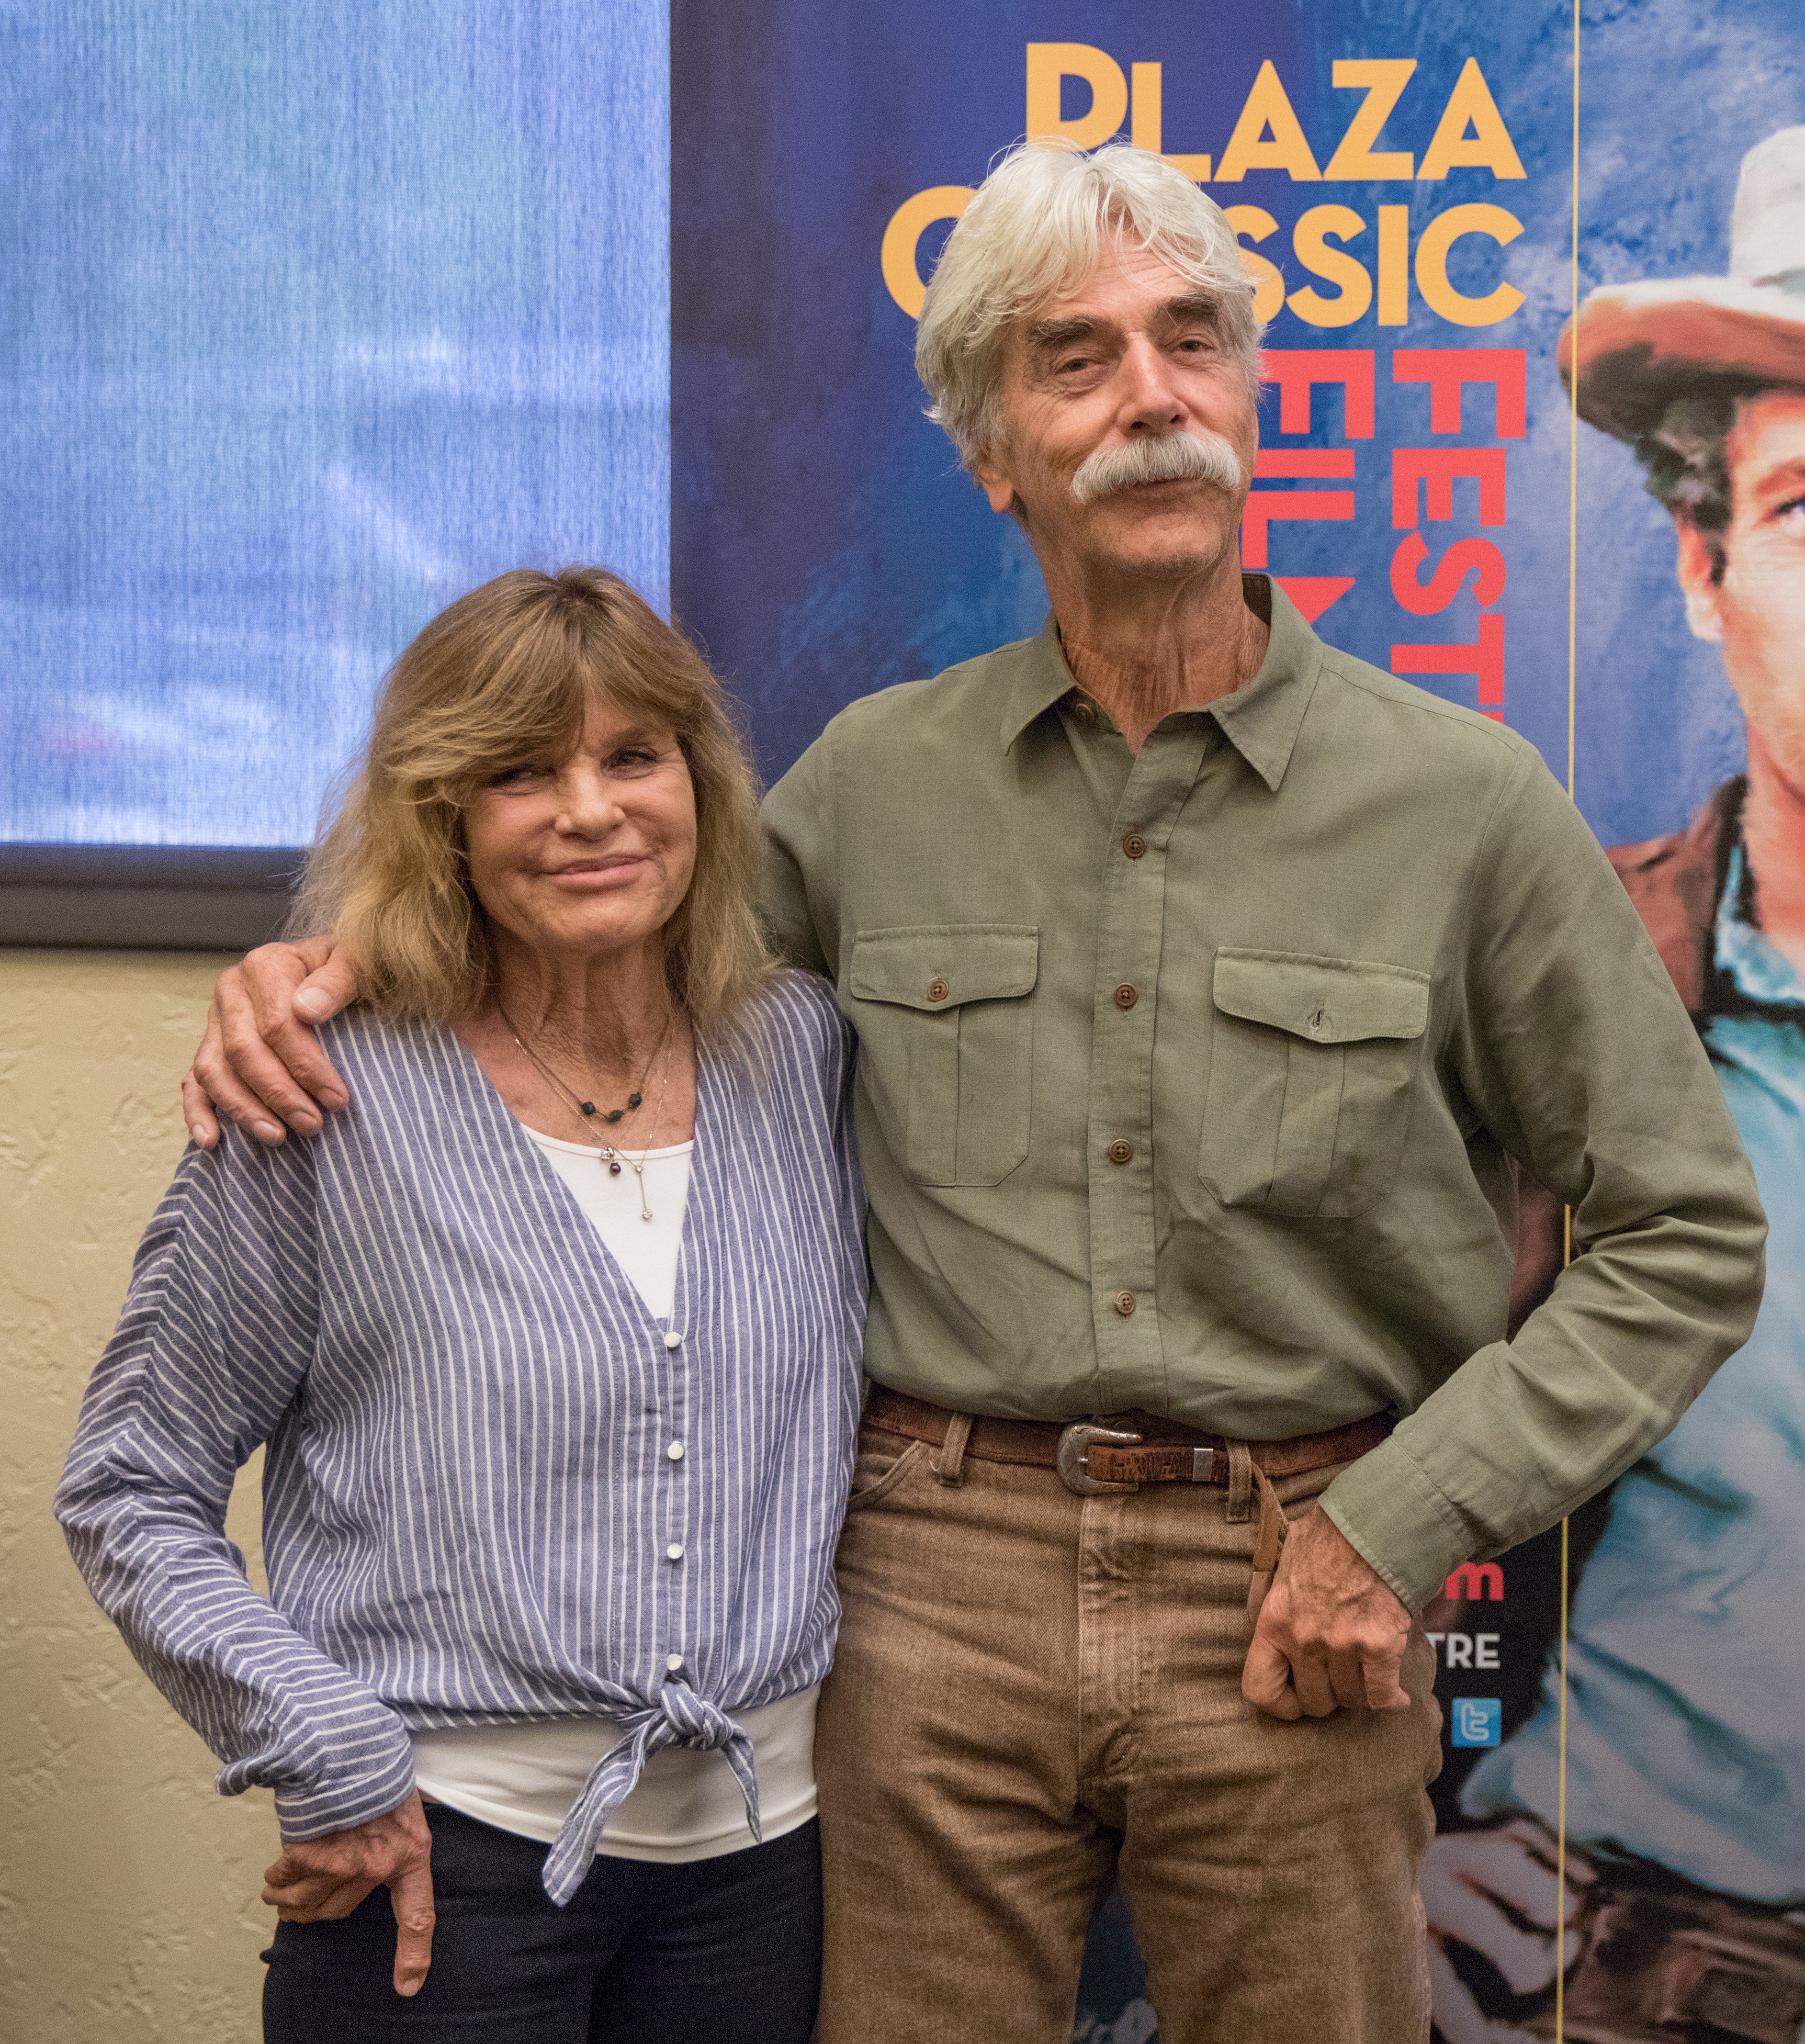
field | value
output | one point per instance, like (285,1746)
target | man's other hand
(321,1880)
(1497,1892)
(259,1061)
(1330,1632)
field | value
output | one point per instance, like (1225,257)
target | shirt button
(674,1551)
(938,990)
(1126,997)
(1121,1150)
(675,1451)
(1134,845)
(673,1340)
(1124,1303)
(1085,714)
(674,1662)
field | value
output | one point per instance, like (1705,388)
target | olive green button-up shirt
(1193,1080)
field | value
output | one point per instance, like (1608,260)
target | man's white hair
(1039,226)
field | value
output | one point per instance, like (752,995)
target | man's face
(1758,609)
(1134,354)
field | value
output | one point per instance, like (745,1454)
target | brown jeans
(1034,1691)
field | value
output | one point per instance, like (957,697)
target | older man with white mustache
(1178,456)
(1208,984)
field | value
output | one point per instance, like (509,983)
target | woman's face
(591,853)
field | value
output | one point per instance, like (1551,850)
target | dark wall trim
(144,898)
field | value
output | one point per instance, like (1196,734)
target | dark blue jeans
(719,1951)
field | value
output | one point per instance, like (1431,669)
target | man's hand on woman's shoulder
(258,1060)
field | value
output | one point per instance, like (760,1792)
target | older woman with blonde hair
(553,1340)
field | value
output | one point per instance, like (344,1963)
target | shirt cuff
(1400,1523)
(312,1811)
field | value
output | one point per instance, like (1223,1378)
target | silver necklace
(614,1158)
(608,1153)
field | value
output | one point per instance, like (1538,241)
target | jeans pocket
(884,1461)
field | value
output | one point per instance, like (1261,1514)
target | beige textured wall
(128,1908)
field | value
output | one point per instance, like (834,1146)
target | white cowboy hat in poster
(1640,343)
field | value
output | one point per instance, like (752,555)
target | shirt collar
(1757,970)
(1260,719)
(1039,679)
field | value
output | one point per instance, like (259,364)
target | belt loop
(1240,1483)
(947,1460)
(1269,1537)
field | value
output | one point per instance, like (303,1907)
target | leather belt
(1122,1450)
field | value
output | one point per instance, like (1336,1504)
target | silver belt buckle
(1075,1444)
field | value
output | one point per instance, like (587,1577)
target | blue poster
(1620,586)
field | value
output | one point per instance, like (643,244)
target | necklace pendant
(614,1167)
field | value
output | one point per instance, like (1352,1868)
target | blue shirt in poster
(1686,1651)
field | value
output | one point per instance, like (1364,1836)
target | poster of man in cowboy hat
(1685,1742)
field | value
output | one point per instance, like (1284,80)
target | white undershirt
(645,1250)
(686,1805)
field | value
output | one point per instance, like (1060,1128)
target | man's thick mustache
(1197,457)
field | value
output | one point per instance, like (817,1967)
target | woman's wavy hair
(508,673)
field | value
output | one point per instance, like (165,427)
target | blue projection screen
(315,317)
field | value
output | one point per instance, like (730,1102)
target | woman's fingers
(410,1893)
(321,1880)
(346,1894)
(325,1904)
(300,1892)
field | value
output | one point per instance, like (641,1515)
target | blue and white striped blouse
(481,1445)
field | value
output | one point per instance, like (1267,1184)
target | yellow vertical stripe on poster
(1567,1228)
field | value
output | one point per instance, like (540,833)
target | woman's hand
(258,1060)
(321,1880)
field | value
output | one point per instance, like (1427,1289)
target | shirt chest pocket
(1311,1068)
(946,1029)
